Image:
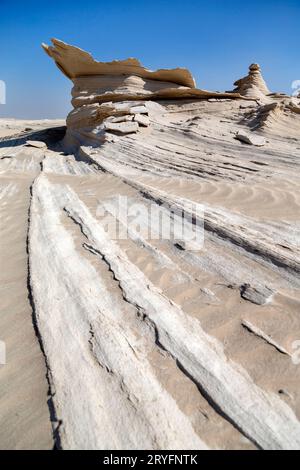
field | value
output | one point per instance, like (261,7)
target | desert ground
(151,342)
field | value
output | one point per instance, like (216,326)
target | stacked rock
(136,116)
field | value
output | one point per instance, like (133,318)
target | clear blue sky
(215,39)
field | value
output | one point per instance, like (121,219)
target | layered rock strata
(253,85)
(275,111)
(99,86)
(146,340)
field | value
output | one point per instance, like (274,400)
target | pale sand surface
(125,363)
(24,413)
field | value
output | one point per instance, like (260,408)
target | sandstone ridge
(99,85)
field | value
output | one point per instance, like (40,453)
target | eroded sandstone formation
(112,96)
(152,342)
(121,97)
(253,85)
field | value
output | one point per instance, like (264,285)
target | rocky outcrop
(75,63)
(276,117)
(107,96)
(259,296)
(250,139)
(101,340)
(275,111)
(253,85)
(99,86)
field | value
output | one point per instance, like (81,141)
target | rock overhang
(75,62)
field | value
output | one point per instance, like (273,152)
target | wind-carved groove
(140,311)
(55,421)
(91,348)
(228,385)
(213,404)
(158,343)
(224,233)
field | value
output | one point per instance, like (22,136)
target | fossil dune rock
(110,89)
(253,85)
(150,340)
(98,85)
(275,112)
(75,62)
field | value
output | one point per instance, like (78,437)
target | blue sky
(215,39)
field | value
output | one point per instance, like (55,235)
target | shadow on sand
(51,136)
